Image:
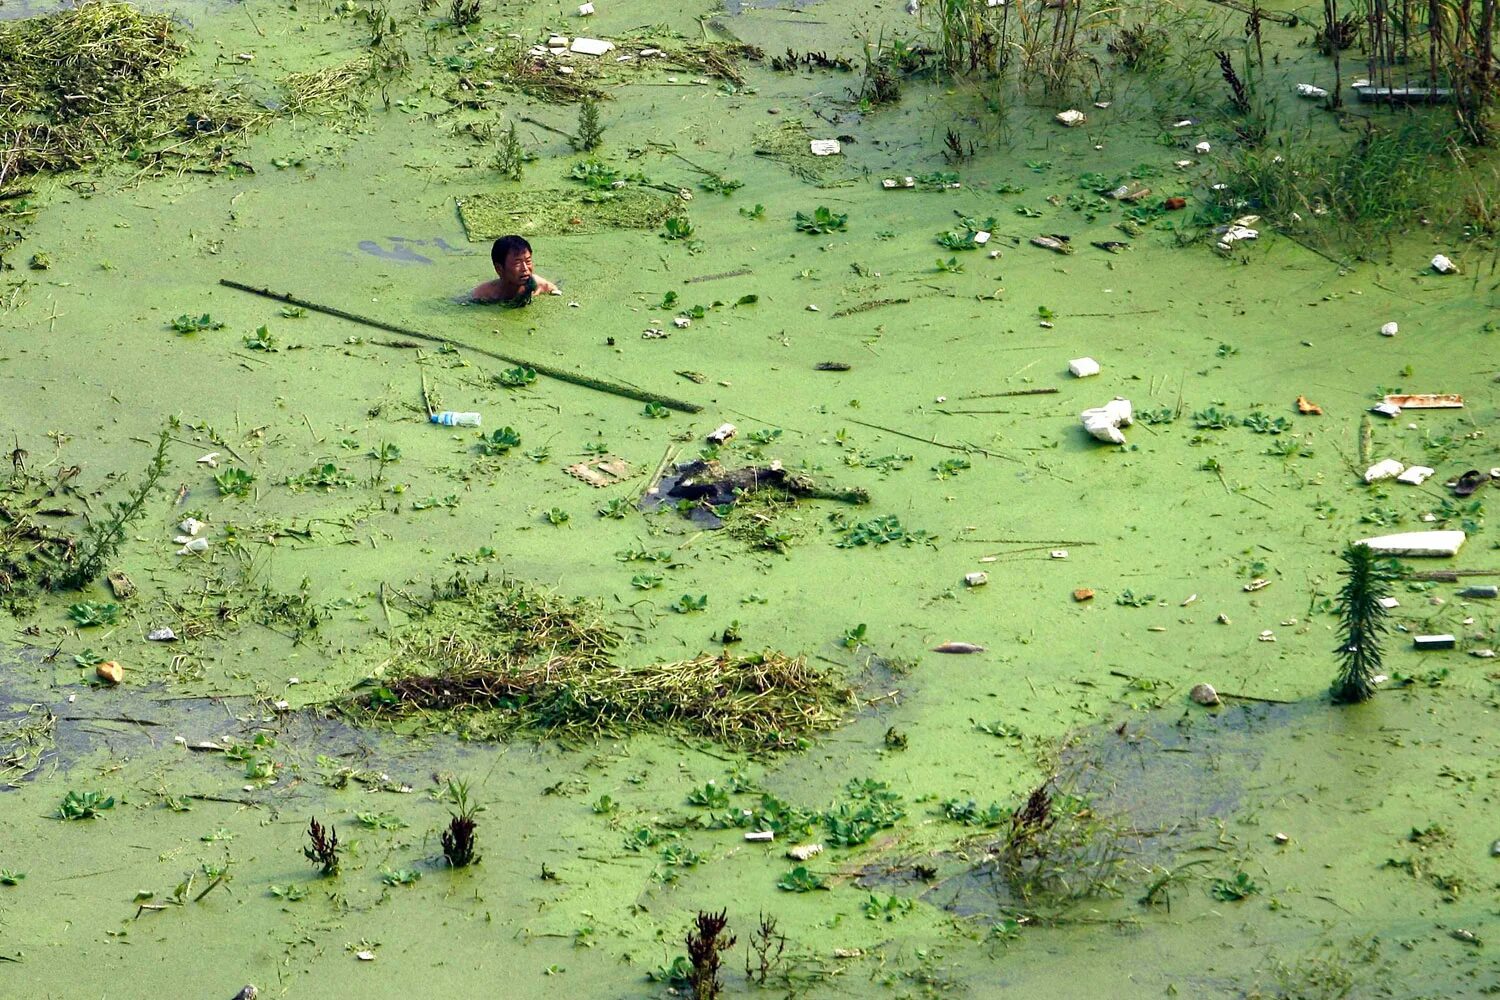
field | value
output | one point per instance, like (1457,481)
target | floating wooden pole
(588,382)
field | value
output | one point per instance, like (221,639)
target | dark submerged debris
(710,482)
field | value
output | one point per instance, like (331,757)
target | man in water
(516,283)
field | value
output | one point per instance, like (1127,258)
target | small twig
(1012,392)
(935,442)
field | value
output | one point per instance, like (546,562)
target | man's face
(517,267)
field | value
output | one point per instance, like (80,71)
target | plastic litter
(1104,422)
(1415,476)
(1388,602)
(193,546)
(681,322)
(161,635)
(1202,148)
(1385,469)
(451,418)
(1389,330)
(723,433)
(976,579)
(1442,265)
(190,526)
(1234,233)
(1417,543)
(1426,400)
(1058,554)
(1072,118)
(1083,367)
(211,460)
(1308,90)
(1434,641)
(1386,410)
(586,9)
(760,836)
(825,147)
(1486,593)
(590,46)
(804,852)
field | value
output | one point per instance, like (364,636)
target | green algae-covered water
(1277,845)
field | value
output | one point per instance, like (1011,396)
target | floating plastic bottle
(451,418)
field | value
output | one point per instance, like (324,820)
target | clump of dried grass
(94,83)
(546,663)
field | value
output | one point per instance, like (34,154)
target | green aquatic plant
(888,908)
(9,876)
(262,340)
(823,220)
(460,840)
(720,184)
(499,441)
(969,813)
(325,476)
(87,614)
(619,508)
(556,516)
(1214,419)
(755,213)
(102,538)
(656,411)
(677,227)
(84,805)
(400,876)
(233,482)
(510,156)
(195,324)
(705,943)
(687,603)
(516,378)
(1259,423)
(800,879)
(1234,889)
(880,530)
(854,637)
(323,847)
(709,796)
(950,266)
(1362,619)
(590,134)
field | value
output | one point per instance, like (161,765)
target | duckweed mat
(562,211)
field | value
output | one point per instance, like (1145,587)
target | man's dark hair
(504,247)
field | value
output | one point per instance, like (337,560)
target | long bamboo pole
(562,375)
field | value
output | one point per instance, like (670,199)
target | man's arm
(546,287)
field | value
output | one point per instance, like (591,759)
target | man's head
(511,256)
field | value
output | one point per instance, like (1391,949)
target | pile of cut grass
(93,83)
(544,664)
(561,211)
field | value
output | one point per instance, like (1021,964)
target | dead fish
(1057,243)
(1111,246)
(958,647)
